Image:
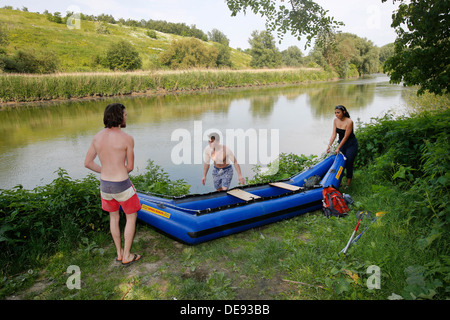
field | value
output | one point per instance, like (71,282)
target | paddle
(378,214)
(360,215)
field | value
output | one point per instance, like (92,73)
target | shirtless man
(223,171)
(115,150)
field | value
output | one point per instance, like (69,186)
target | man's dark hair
(113,116)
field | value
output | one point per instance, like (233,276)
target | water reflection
(37,140)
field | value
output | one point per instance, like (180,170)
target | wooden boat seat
(285,186)
(243,195)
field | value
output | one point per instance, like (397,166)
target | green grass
(20,88)
(77,48)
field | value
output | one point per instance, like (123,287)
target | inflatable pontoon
(195,218)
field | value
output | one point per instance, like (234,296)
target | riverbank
(402,255)
(16,89)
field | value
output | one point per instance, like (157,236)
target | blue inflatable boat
(196,218)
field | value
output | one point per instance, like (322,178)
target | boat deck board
(243,195)
(285,186)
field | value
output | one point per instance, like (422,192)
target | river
(258,123)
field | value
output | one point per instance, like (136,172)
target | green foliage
(346,52)
(189,53)
(34,223)
(181,29)
(101,28)
(292,56)
(152,34)
(402,139)
(300,17)
(123,56)
(55,17)
(412,153)
(386,52)
(155,180)
(223,56)
(28,61)
(219,37)
(18,88)
(263,50)
(422,47)
(3,35)
(420,284)
(285,166)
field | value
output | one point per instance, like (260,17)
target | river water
(257,123)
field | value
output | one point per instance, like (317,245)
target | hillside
(77,49)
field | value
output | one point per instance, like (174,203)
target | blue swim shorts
(222,176)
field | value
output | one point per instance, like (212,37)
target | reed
(28,88)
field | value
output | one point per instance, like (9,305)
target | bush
(28,61)
(122,56)
(189,53)
(285,166)
(37,222)
(412,153)
(152,34)
(155,180)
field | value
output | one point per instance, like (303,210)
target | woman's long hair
(113,116)
(343,109)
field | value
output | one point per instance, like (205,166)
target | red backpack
(333,203)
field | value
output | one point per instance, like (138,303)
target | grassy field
(77,48)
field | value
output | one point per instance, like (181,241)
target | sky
(369,19)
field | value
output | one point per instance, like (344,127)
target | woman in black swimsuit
(348,144)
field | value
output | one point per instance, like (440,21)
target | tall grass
(20,88)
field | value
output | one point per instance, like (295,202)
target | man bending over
(222,157)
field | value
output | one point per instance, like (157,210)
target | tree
(367,58)
(189,53)
(300,17)
(223,56)
(123,56)
(386,52)
(263,50)
(28,61)
(222,45)
(345,53)
(292,56)
(422,48)
(219,37)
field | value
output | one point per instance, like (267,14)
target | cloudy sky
(369,19)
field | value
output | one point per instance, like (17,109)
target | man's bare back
(115,150)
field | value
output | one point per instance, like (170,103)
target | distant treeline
(181,29)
